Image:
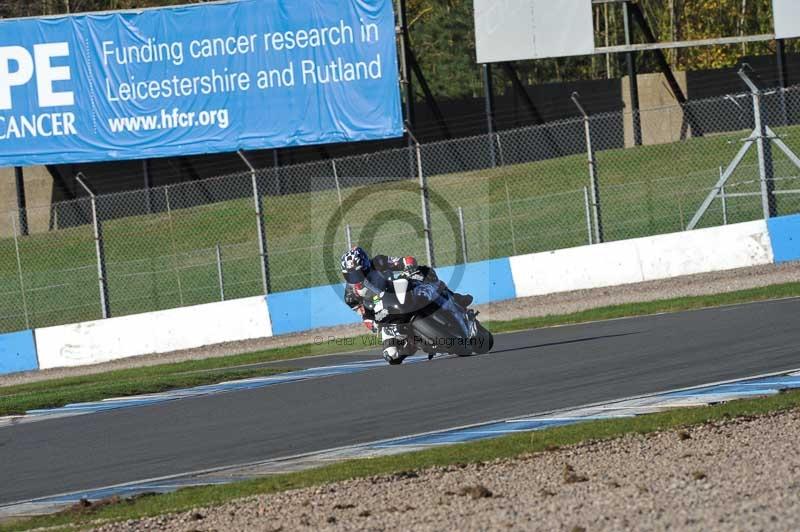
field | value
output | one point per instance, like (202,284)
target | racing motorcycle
(429,318)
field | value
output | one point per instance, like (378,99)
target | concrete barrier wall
(785,235)
(611,264)
(323,306)
(155,332)
(642,259)
(17,352)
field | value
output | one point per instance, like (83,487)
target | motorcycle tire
(481,348)
(429,328)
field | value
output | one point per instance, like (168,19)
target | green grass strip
(504,447)
(51,394)
(778,291)
(58,392)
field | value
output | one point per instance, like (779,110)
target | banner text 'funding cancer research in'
(197,79)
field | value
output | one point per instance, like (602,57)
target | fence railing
(513,192)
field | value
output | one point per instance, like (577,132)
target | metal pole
(220,276)
(426,203)
(19,272)
(723,199)
(463,234)
(632,81)
(22,204)
(782,75)
(594,182)
(500,150)
(510,217)
(147,185)
(341,208)
(764,146)
(426,208)
(262,240)
(102,277)
(587,210)
(488,93)
(174,246)
(336,179)
(724,206)
(405,65)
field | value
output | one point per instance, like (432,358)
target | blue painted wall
(784,232)
(487,281)
(17,352)
(323,306)
(309,308)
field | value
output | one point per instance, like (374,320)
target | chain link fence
(513,192)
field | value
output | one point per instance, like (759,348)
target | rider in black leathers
(363,274)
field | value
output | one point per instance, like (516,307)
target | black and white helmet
(355,265)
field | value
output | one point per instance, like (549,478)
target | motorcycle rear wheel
(485,341)
(430,329)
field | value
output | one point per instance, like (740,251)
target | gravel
(741,474)
(561,303)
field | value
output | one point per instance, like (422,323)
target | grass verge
(57,392)
(51,394)
(505,447)
(777,291)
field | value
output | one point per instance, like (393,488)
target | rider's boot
(464,300)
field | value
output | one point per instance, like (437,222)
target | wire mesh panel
(49,277)
(514,192)
(161,244)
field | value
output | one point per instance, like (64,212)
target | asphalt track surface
(528,372)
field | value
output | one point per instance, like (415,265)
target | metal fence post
(593,177)
(587,209)
(724,206)
(102,276)
(500,150)
(336,180)
(723,199)
(426,203)
(262,239)
(488,91)
(22,204)
(349,235)
(463,234)
(19,272)
(764,145)
(220,276)
(174,245)
(510,217)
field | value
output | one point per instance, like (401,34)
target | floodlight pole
(426,203)
(262,239)
(102,276)
(764,146)
(632,79)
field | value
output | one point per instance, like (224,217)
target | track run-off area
(531,371)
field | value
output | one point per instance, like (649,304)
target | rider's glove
(369,324)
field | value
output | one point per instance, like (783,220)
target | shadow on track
(564,342)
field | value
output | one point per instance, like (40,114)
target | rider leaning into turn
(365,277)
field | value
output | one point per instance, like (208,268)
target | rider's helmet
(355,265)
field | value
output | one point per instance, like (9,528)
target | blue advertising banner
(196,79)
